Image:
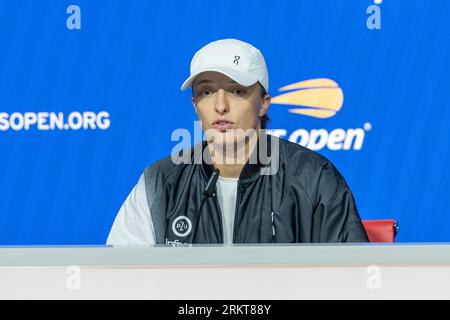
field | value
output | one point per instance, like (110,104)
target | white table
(227,272)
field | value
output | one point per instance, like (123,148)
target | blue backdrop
(124,67)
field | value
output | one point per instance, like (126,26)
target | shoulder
(163,167)
(313,172)
(169,167)
(298,159)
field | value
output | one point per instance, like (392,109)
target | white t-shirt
(226,194)
(134,226)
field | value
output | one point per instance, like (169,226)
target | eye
(203,93)
(238,92)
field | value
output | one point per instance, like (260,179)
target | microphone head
(209,189)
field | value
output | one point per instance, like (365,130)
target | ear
(195,106)
(266,101)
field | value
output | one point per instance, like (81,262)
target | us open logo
(318,98)
(182,226)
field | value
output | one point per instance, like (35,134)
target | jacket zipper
(216,201)
(240,190)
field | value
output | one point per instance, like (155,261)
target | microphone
(207,193)
(209,189)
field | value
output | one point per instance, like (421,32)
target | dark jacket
(306,200)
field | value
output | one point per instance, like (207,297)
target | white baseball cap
(236,59)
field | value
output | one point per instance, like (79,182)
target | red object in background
(381,230)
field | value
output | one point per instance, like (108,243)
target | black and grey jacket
(304,200)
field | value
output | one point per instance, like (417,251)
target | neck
(229,171)
(231,166)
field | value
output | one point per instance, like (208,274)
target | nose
(221,106)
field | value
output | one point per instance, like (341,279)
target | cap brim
(240,77)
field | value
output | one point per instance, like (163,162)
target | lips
(222,125)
